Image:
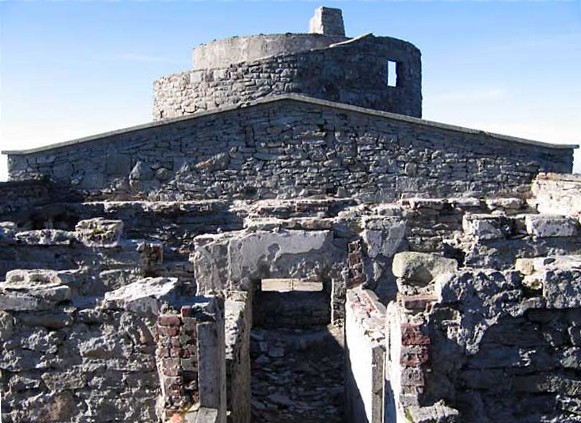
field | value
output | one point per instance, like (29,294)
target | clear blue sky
(74,68)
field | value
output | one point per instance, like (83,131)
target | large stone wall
(65,361)
(353,72)
(289,147)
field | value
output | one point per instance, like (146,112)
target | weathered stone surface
(99,232)
(383,236)
(13,301)
(486,226)
(557,194)
(327,21)
(545,226)
(437,413)
(255,255)
(486,296)
(144,296)
(46,237)
(6,326)
(51,319)
(32,290)
(421,268)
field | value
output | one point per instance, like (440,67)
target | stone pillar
(327,21)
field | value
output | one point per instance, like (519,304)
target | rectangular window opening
(392,73)
(290,285)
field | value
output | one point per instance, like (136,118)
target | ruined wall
(239,259)
(63,361)
(292,309)
(354,72)
(238,308)
(27,201)
(488,334)
(293,148)
(365,355)
(86,337)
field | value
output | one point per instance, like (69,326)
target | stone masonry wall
(488,333)
(63,361)
(353,72)
(289,148)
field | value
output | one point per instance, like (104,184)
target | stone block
(414,355)
(545,226)
(487,227)
(46,237)
(525,266)
(143,296)
(26,290)
(99,232)
(383,236)
(412,376)
(70,379)
(421,268)
(421,302)
(437,413)
(6,325)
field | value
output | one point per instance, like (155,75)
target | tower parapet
(379,73)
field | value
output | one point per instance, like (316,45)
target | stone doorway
(297,356)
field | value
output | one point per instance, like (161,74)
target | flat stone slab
(546,226)
(143,296)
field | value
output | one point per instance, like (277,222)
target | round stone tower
(380,73)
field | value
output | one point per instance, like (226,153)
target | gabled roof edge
(294,98)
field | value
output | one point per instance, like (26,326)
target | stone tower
(379,73)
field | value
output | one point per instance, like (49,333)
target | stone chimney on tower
(327,21)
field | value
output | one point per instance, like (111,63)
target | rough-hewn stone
(421,268)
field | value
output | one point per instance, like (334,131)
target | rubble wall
(20,197)
(354,72)
(65,362)
(292,309)
(487,333)
(293,147)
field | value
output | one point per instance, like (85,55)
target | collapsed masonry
(297,257)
